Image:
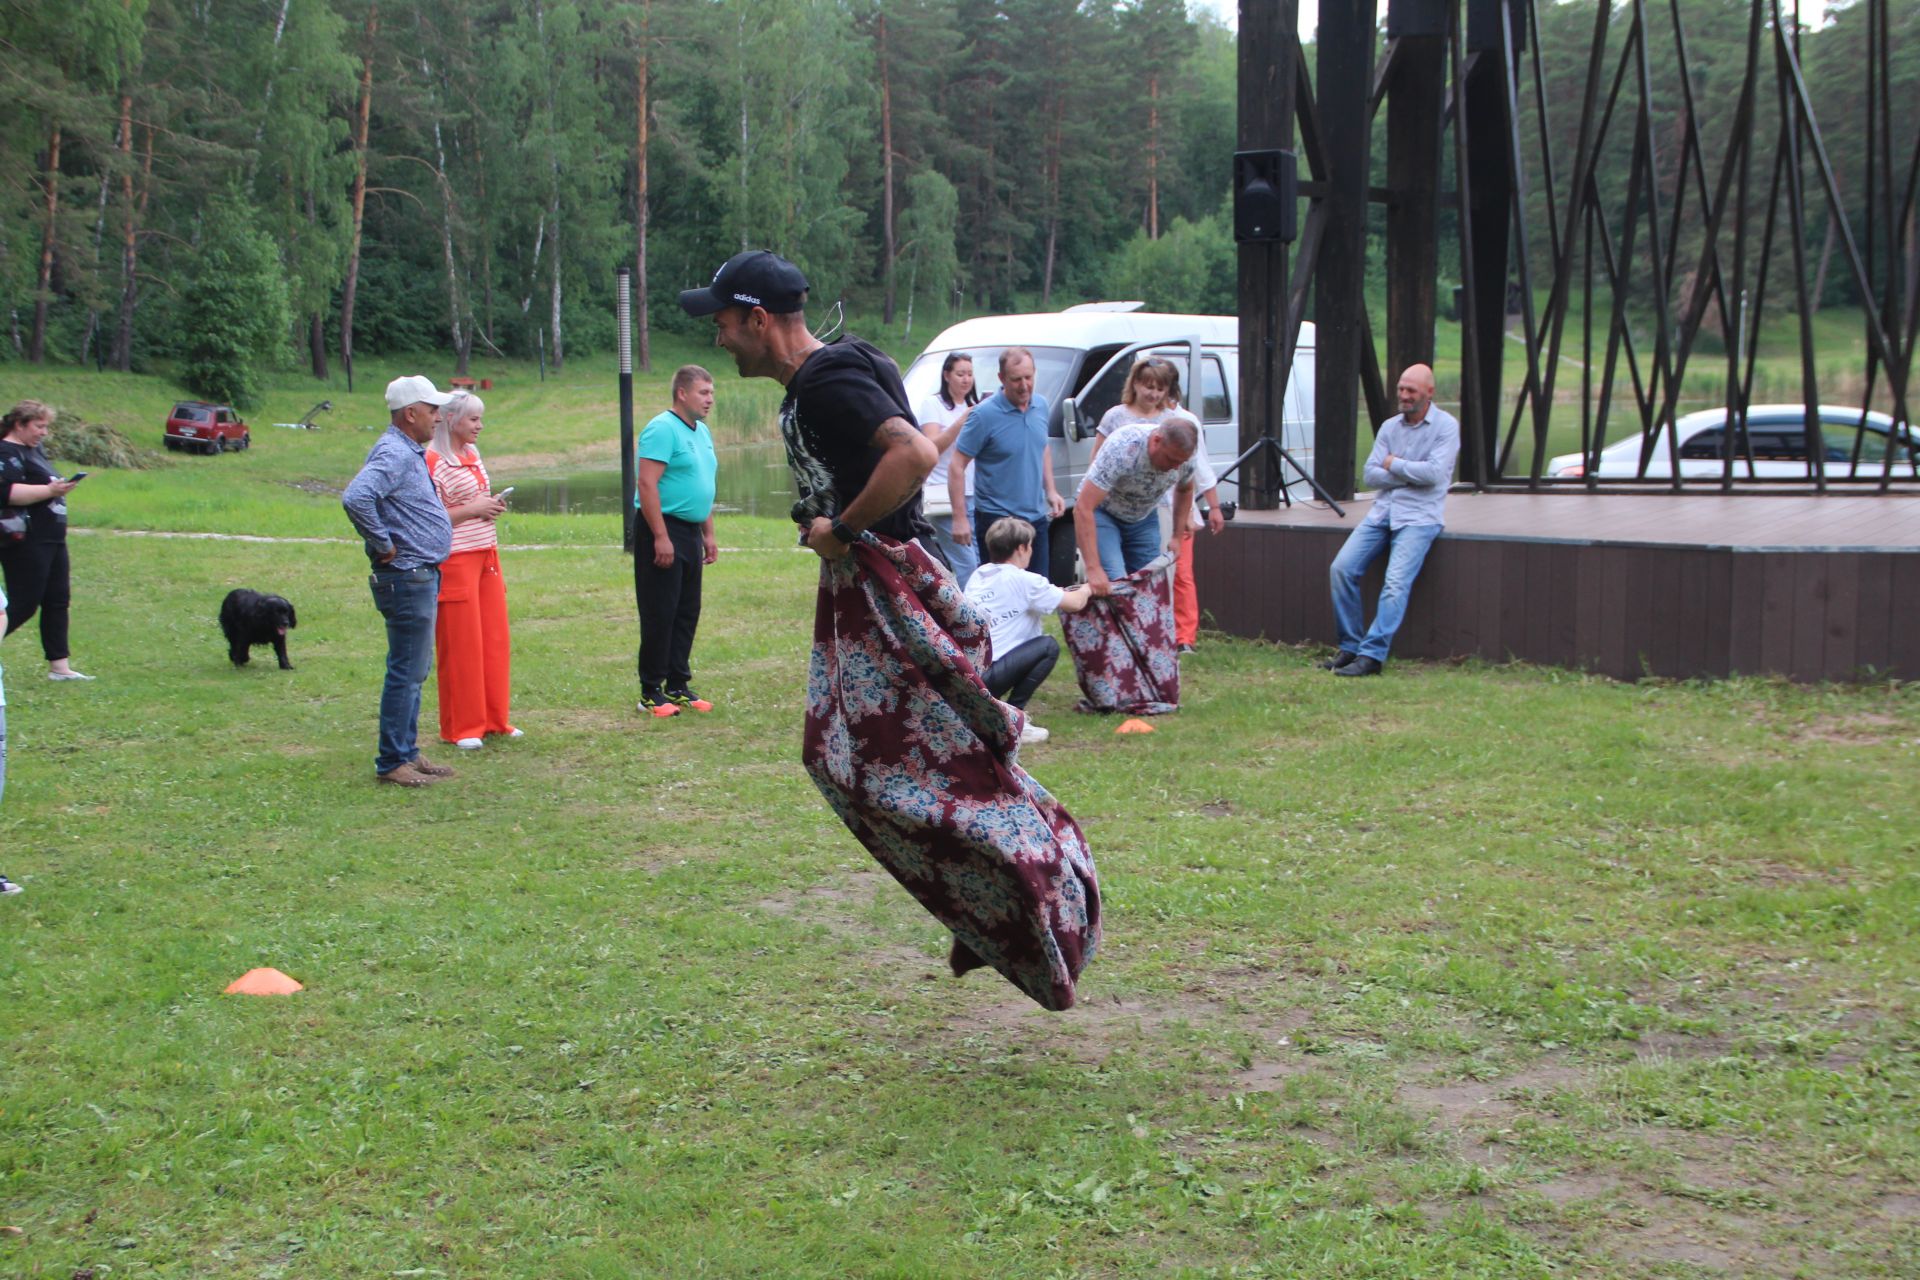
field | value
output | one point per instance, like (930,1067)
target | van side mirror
(1071,420)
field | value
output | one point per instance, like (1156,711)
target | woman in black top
(33,534)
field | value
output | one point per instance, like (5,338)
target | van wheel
(214,445)
(1062,552)
(173,446)
(246,441)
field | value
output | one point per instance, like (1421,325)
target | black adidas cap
(756,278)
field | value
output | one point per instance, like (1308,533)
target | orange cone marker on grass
(263,982)
(1134,725)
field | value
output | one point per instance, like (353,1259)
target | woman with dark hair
(33,534)
(941,416)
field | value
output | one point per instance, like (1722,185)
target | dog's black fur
(250,618)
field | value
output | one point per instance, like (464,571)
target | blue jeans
(1125,547)
(408,600)
(1364,545)
(963,558)
(982,519)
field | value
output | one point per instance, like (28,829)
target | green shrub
(1190,269)
(234,313)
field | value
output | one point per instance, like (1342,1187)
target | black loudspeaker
(1265,186)
(1416,18)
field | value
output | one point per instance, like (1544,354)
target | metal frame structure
(1468,73)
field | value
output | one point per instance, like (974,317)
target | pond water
(753,479)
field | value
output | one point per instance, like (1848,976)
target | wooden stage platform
(1625,584)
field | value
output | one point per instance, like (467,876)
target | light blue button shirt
(393,503)
(1414,491)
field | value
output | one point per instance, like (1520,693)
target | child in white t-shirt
(1016,601)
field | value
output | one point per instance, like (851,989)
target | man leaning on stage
(1409,470)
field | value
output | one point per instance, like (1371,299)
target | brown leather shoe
(405,776)
(422,765)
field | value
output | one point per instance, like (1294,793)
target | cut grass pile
(1464,971)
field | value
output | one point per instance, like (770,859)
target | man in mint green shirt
(674,491)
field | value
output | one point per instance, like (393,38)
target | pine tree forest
(464,175)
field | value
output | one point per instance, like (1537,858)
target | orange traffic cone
(1134,726)
(263,982)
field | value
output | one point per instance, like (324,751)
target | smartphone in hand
(78,476)
(504,492)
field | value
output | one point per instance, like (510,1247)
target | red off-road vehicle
(206,428)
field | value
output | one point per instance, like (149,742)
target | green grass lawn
(1466,971)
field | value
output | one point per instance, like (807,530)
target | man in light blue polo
(408,535)
(1409,470)
(1007,435)
(674,489)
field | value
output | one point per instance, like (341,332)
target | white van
(1083,354)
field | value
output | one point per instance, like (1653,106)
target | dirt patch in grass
(1859,728)
(590,720)
(827,901)
(1469,1115)
(833,904)
(1900,1208)
(318,488)
(1571,1188)
(1269,1074)
(1676,1046)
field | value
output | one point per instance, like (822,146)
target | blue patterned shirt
(393,504)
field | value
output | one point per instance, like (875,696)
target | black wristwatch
(843,533)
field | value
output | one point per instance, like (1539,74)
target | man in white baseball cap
(408,536)
(414,389)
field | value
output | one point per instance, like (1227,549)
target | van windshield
(1051,366)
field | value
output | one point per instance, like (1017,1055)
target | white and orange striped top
(459,483)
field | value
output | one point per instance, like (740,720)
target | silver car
(1853,442)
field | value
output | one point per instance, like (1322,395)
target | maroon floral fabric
(1125,654)
(918,759)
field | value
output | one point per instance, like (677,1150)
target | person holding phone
(471,639)
(33,534)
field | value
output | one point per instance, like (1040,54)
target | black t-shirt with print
(834,404)
(19,464)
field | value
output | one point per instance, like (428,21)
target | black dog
(249,618)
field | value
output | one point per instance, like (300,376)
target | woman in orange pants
(471,645)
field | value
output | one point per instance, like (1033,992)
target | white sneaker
(516,733)
(1033,733)
(67,675)
(7,886)
(470,744)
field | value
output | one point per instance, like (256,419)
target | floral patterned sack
(1123,645)
(918,759)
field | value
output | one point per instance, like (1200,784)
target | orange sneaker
(689,699)
(657,705)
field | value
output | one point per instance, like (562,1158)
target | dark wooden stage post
(1416,103)
(1266,78)
(1490,180)
(1346,43)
